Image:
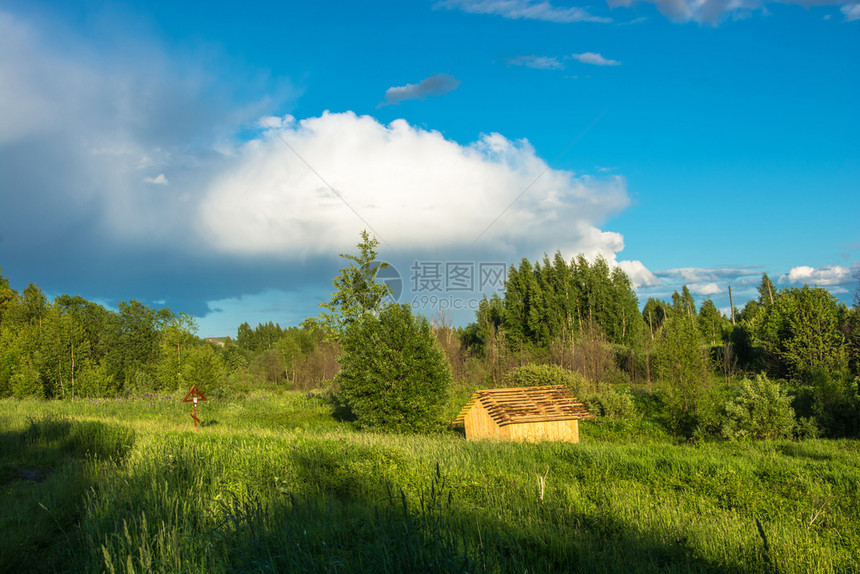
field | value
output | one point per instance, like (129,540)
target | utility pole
(732,304)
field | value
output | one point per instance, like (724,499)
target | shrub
(532,375)
(760,410)
(836,404)
(807,427)
(831,400)
(683,366)
(611,404)
(394,374)
(710,411)
(608,402)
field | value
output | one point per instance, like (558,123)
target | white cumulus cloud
(639,275)
(413,187)
(112,124)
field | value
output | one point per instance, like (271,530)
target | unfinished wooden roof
(527,405)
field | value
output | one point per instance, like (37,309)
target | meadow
(275,483)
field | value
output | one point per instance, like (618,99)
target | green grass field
(276,484)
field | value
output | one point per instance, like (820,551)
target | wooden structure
(523,414)
(193,396)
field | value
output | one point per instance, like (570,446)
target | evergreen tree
(625,323)
(357,290)
(760,409)
(394,375)
(568,297)
(550,302)
(520,294)
(767,293)
(654,314)
(683,303)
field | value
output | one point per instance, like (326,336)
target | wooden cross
(193,396)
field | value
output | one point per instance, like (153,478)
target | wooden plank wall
(479,425)
(567,431)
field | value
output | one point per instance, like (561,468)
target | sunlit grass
(275,483)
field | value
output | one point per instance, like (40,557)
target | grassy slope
(275,484)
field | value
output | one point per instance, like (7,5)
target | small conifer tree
(394,375)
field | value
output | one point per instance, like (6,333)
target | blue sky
(215,157)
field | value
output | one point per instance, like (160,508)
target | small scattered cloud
(827,276)
(594,59)
(158,180)
(712,12)
(851,12)
(536,62)
(523,10)
(705,289)
(692,275)
(744,282)
(431,87)
(274,122)
(705,282)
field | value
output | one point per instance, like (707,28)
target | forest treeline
(793,351)
(71,347)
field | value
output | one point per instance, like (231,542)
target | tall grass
(275,484)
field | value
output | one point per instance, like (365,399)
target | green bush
(710,411)
(394,375)
(611,404)
(836,404)
(807,427)
(532,375)
(831,400)
(759,410)
(608,402)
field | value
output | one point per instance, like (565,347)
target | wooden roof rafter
(527,404)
